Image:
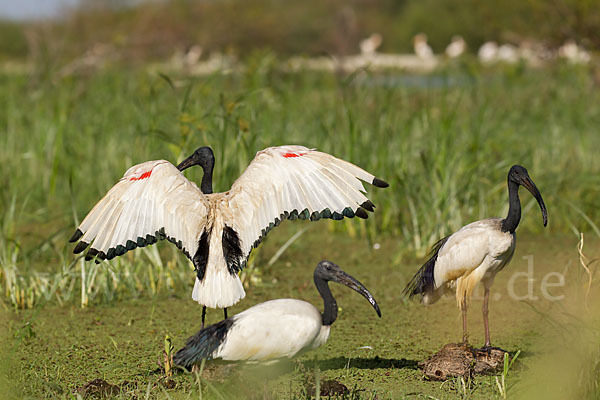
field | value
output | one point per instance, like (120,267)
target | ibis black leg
(225,312)
(486,324)
(203,316)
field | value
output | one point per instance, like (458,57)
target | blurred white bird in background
(422,49)
(457,47)
(369,46)
(573,53)
(488,52)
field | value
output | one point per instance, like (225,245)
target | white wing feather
(293,181)
(465,250)
(152,201)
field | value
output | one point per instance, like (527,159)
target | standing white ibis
(422,49)
(274,329)
(369,46)
(217,231)
(488,53)
(456,47)
(475,253)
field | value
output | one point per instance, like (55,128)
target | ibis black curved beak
(347,280)
(529,185)
(188,162)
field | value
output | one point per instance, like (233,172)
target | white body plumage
(274,329)
(473,254)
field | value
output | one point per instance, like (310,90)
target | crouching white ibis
(274,329)
(217,231)
(475,253)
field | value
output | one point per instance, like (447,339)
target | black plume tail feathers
(203,344)
(423,283)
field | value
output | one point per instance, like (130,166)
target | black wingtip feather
(336,216)
(423,281)
(81,246)
(293,215)
(90,254)
(120,250)
(368,205)
(111,253)
(348,212)
(305,214)
(151,239)
(76,236)
(101,256)
(380,183)
(361,213)
(203,344)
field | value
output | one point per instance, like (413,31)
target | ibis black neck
(330,308)
(206,184)
(510,223)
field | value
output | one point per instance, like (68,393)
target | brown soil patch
(457,359)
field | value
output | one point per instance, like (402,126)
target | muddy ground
(53,351)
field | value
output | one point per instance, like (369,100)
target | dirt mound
(98,388)
(457,359)
(330,388)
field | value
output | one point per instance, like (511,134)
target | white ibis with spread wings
(217,231)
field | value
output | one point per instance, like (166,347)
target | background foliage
(151,30)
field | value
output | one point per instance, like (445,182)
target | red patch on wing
(290,155)
(142,176)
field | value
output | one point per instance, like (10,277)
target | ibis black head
(328,271)
(203,156)
(519,175)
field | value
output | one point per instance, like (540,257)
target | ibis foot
(490,350)
(462,360)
